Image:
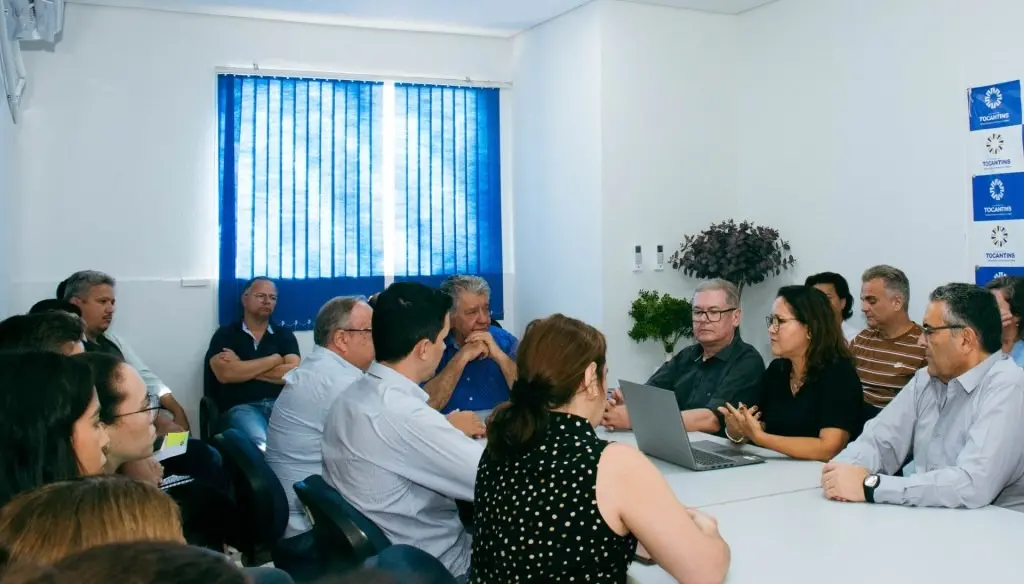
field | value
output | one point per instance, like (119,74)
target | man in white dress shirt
(344,349)
(390,454)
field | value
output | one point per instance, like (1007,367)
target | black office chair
(209,413)
(410,565)
(345,536)
(263,509)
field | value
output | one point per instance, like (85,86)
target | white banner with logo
(996,165)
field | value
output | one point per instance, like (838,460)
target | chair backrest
(260,497)
(339,525)
(208,415)
(411,564)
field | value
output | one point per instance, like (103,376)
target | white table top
(802,538)
(779,474)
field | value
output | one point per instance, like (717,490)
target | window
(338,187)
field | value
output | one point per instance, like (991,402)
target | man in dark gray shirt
(720,368)
(962,417)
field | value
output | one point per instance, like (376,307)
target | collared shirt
(885,365)
(482,386)
(733,375)
(402,464)
(239,338)
(967,438)
(296,426)
(112,344)
(252,335)
(1017,353)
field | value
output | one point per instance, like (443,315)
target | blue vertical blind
(448,185)
(301,189)
(300,167)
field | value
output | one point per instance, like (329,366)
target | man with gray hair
(962,418)
(720,368)
(887,353)
(93,293)
(479,362)
(343,351)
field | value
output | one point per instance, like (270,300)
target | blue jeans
(250,419)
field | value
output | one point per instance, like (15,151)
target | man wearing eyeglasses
(343,333)
(246,363)
(962,418)
(719,369)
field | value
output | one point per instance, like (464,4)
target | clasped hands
(742,423)
(480,345)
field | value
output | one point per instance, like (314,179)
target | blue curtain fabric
(448,185)
(301,189)
(300,170)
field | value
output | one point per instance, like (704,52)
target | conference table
(782,529)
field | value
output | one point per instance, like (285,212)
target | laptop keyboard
(708,459)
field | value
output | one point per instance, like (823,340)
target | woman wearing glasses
(128,412)
(811,400)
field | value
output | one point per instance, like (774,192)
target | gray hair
(456,285)
(79,284)
(732,294)
(893,280)
(335,315)
(975,308)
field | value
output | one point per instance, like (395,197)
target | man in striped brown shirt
(887,353)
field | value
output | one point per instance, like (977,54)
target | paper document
(169,446)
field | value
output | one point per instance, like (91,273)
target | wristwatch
(870,484)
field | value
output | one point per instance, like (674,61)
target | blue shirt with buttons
(482,385)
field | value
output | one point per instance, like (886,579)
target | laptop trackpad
(716,448)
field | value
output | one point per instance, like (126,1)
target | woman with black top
(811,395)
(555,503)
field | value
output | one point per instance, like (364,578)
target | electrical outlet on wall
(638,259)
(659,258)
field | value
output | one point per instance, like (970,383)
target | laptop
(659,432)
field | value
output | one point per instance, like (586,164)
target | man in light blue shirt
(962,418)
(388,452)
(344,349)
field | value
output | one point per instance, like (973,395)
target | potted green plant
(742,253)
(662,318)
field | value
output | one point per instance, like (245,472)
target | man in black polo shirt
(246,362)
(720,368)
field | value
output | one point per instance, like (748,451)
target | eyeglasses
(362,330)
(776,321)
(931,330)
(263,297)
(153,407)
(713,315)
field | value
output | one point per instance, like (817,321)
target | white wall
(853,130)
(623,137)
(8,184)
(557,168)
(668,117)
(119,151)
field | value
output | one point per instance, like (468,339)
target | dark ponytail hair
(552,360)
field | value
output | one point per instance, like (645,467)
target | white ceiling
(500,17)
